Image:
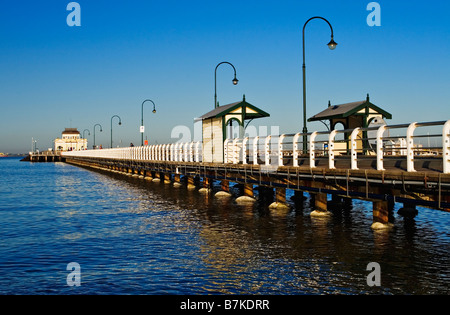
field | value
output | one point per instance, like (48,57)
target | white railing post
(312,150)
(295,148)
(176,152)
(197,152)
(354,147)
(331,154)
(280,150)
(267,150)
(410,147)
(169,152)
(166,153)
(446,148)
(255,150)
(380,149)
(225,150)
(186,152)
(244,151)
(191,152)
(235,151)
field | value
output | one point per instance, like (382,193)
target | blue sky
(53,76)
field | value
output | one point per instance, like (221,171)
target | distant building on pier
(70,141)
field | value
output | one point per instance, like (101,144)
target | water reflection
(248,247)
(132,230)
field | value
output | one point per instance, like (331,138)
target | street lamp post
(235,81)
(142,118)
(84,137)
(89,133)
(332,45)
(120,123)
(101,130)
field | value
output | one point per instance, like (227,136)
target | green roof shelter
(214,127)
(351,116)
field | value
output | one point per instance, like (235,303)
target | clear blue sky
(53,76)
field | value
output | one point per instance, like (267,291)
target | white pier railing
(407,142)
(176,152)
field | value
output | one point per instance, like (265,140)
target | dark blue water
(131,236)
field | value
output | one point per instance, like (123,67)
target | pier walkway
(412,167)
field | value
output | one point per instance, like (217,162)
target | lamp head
(120,123)
(332,44)
(235,81)
(154,111)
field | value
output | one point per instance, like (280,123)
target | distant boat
(3,155)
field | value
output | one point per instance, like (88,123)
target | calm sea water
(135,237)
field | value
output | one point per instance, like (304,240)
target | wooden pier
(333,171)
(44,157)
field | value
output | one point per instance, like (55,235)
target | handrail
(287,147)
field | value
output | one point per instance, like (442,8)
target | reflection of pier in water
(248,238)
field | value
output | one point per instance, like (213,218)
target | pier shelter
(214,127)
(351,116)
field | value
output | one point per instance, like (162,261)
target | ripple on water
(137,237)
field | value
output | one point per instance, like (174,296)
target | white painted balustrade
(287,149)
(179,152)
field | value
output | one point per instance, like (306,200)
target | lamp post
(332,45)
(142,119)
(101,130)
(33,145)
(235,81)
(120,123)
(89,133)
(84,137)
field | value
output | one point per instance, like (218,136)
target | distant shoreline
(12,155)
